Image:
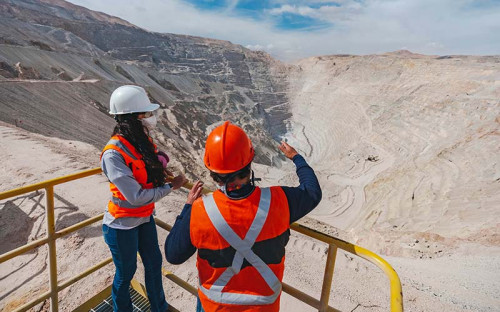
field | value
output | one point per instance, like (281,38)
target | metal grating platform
(139,303)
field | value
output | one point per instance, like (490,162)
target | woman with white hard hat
(137,175)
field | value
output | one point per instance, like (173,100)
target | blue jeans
(199,308)
(124,245)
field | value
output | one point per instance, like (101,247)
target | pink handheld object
(163,158)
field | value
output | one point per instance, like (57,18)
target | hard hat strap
(230,177)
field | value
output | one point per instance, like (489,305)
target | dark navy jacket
(301,200)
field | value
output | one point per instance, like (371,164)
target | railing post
(322,305)
(327,278)
(49,193)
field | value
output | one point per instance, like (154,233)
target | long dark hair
(131,128)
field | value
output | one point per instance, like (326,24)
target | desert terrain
(406,148)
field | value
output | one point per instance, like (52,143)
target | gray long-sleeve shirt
(116,170)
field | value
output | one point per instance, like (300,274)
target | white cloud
(326,12)
(258,47)
(372,26)
(309,2)
(255,47)
(301,10)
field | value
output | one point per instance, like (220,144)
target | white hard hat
(130,99)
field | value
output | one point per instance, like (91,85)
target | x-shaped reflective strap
(243,251)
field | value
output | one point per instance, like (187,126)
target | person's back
(261,227)
(240,231)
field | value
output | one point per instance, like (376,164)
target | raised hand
(195,192)
(289,151)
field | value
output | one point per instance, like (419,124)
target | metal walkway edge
(103,302)
(139,303)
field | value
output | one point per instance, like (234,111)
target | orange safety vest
(118,205)
(241,249)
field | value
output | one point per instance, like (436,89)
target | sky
(295,29)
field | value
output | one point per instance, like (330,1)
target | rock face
(7,71)
(363,122)
(26,73)
(405,145)
(198,82)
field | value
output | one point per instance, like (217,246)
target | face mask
(149,122)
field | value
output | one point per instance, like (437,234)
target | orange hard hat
(228,149)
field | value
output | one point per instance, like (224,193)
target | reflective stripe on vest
(243,251)
(118,206)
(123,147)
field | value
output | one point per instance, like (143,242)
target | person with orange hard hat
(241,230)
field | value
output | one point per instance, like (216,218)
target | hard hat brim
(151,107)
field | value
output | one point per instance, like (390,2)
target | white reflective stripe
(122,146)
(260,216)
(255,227)
(239,299)
(223,279)
(237,262)
(124,203)
(243,251)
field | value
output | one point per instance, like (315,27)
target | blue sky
(270,11)
(291,30)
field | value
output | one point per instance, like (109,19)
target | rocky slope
(59,63)
(406,148)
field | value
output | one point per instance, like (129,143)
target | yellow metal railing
(55,286)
